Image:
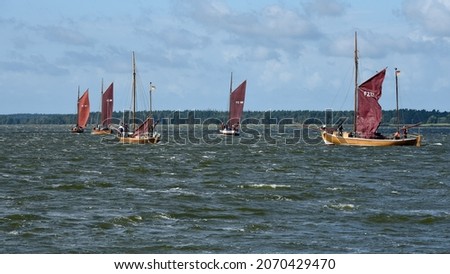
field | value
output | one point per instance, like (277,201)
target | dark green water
(74,193)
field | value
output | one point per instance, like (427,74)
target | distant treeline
(407,116)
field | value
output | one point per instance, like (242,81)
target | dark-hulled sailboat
(236,107)
(107,105)
(83,111)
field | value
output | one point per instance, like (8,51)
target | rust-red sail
(107,105)
(369,110)
(144,128)
(83,109)
(237,99)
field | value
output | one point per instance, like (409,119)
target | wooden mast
(100,117)
(229,98)
(150,91)
(78,105)
(134,93)
(356,83)
(396,98)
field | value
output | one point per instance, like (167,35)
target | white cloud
(64,35)
(272,26)
(433,16)
(326,7)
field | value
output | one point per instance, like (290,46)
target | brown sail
(237,99)
(369,112)
(107,105)
(83,110)
(145,128)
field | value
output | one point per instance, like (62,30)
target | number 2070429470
(295,264)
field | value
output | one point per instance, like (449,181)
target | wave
(265,186)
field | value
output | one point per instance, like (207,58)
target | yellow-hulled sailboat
(367,117)
(145,133)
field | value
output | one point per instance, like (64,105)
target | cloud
(182,38)
(271,26)
(331,8)
(433,16)
(371,45)
(37,64)
(63,35)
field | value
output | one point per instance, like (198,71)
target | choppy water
(72,193)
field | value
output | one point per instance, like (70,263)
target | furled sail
(237,98)
(107,105)
(83,109)
(369,110)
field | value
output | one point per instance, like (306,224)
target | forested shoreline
(407,116)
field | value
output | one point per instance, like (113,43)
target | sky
(295,55)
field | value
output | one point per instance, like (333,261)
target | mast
(229,99)
(152,88)
(134,93)
(78,104)
(100,117)
(356,83)
(396,98)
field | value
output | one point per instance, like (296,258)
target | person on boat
(378,135)
(397,135)
(121,129)
(405,132)
(340,130)
(76,128)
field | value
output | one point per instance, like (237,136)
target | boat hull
(77,130)
(101,131)
(231,132)
(140,140)
(336,139)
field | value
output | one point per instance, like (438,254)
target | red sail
(369,110)
(237,98)
(144,128)
(83,109)
(107,105)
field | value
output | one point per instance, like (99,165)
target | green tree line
(407,116)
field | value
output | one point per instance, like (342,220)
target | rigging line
(349,88)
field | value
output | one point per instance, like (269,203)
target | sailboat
(145,133)
(236,107)
(367,117)
(83,111)
(106,111)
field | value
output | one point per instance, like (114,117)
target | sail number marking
(369,94)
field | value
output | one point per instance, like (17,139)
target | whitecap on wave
(273,186)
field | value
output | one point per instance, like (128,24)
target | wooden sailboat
(103,128)
(83,111)
(145,133)
(236,107)
(367,117)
